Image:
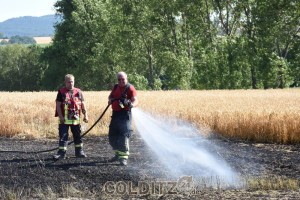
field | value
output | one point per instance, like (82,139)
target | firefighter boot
(61,154)
(123,161)
(79,153)
(114,159)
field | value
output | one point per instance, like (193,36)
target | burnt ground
(272,169)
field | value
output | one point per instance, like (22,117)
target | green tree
(21,40)
(21,68)
(176,43)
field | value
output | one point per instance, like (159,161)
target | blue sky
(18,8)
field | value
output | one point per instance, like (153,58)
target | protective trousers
(64,134)
(120,132)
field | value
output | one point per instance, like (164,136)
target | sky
(19,8)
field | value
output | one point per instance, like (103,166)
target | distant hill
(29,26)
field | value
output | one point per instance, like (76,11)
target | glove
(128,103)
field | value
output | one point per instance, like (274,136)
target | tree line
(17,40)
(163,44)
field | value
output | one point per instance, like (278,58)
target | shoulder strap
(65,92)
(124,94)
(76,90)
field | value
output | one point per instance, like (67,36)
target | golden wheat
(272,183)
(43,40)
(256,115)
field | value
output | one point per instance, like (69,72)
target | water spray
(182,149)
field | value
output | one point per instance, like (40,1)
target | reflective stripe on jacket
(71,105)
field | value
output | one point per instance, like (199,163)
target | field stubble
(253,115)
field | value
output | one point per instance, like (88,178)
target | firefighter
(69,106)
(123,98)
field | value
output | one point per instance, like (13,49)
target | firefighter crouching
(123,97)
(69,106)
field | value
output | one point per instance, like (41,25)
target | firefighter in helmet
(69,106)
(123,98)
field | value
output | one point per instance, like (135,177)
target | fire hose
(71,142)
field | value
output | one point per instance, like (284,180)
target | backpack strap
(124,93)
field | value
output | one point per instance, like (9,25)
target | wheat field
(43,40)
(254,115)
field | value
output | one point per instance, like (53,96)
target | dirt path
(38,176)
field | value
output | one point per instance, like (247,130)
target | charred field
(267,170)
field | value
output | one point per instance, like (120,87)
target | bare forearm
(134,101)
(58,108)
(84,110)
